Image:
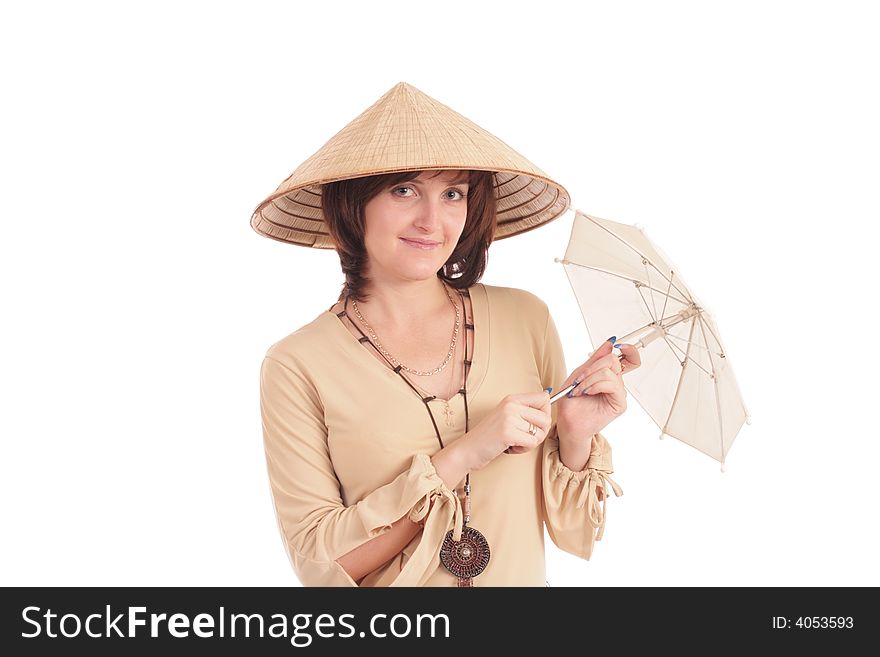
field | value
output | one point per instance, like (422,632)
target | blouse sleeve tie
(593,481)
(435,511)
(432,504)
(598,480)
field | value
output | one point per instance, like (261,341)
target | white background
(137,302)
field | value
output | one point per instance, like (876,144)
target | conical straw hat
(407,130)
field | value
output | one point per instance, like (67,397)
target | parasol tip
(749,420)
(722,467)
(661,435)
(640,227)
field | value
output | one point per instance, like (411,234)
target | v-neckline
(479,358)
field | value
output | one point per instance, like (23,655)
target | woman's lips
(419,245)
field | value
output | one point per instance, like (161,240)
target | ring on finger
(532,429)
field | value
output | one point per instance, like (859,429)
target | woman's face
(412,227)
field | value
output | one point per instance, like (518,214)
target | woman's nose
(428,216)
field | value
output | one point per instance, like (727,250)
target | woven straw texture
(407,130)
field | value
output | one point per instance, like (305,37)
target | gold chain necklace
(469,556)
(436,370)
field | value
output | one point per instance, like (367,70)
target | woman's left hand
(585,414)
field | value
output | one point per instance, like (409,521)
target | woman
(409,435)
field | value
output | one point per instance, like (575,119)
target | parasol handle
(645,340)
(658,331)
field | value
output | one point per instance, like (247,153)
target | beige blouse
(348,446)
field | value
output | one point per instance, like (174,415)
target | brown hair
(343,204)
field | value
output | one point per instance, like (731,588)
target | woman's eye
(399,191)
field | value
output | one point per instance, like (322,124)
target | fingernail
(569,395)
(617,346)
(612,339)
(548,390)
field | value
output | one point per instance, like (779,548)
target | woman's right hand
(507,426)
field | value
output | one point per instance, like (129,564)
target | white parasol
(624,283)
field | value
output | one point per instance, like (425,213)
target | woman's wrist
(566,435)
(453,462)
(473,454)
(574,452)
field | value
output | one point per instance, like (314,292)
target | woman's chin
(419,273)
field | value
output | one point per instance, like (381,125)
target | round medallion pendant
(468,557)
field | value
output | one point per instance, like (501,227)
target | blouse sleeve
(315,525)
(574,516)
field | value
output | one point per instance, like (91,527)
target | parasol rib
(684,302)
(717,394)
(680,377)
(641,255)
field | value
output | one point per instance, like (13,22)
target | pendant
(448,412)
(466,558)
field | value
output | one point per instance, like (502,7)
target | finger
(631,357)
(537,417)
(520,439)
(533,399)
(613,388)
(605,374)
(604,349)
(586,368)
(609,364)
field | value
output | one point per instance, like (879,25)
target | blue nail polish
(612,339)
(548,390)
(617,346)
(569,395)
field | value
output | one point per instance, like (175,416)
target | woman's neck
(407,306)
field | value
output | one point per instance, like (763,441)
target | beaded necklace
(469,556)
